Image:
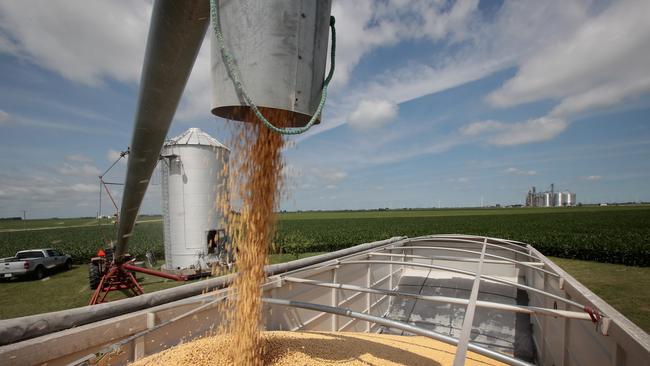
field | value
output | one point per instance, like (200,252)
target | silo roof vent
(195,136)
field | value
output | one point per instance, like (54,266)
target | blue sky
(433,103)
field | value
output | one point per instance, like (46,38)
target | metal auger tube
(175,35)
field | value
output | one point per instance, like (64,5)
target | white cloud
(533,130)
(372,114)
(84,188)
(54,125)
(593,177)
(84,170)
(4,117)
(600,64)
(312,178)
(603,62)
(42,192)
(481,127)
(516,171)
(197,97)
(81,40)
(331,176)
(533,36)
(290,171)
(601,97)
(459,180)
(113,155)
(364,25)
(466,49)
(510,134)
(91,42)
(78,158)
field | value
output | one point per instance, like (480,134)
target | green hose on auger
(233,70)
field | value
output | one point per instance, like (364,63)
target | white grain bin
(280,49)
(192,177)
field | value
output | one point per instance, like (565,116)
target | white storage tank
(192,176)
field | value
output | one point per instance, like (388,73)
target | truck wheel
(68,264)
(39,273)
(93,276)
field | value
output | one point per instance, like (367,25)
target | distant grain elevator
(550,198)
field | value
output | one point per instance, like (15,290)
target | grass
(69,289)
(625,288)
(60,291)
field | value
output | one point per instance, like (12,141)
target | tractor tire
(94,277)
(39,273)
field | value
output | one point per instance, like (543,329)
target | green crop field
(605,234)
(82,242)
(56,223)
(6,225)
(417,212)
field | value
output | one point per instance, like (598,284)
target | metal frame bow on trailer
(463,342)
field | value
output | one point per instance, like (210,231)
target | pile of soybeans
(301,348)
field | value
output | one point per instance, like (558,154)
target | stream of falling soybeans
(254,185)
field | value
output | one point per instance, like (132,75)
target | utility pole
(24,214)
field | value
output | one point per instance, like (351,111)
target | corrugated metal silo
(569,198)
(192,177)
